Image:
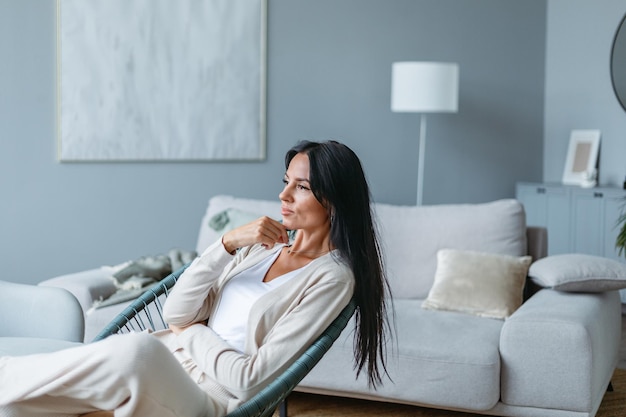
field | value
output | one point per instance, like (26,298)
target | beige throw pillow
(483,284)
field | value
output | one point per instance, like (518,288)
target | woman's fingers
(275,231)
(264,230)
(269,232)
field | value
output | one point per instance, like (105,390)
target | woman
(240,313)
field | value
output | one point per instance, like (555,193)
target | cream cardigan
(282,323)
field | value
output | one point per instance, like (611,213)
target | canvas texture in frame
(582,157)
(161,80)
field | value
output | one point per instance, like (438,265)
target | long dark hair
(337,180)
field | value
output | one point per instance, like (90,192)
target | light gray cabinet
(587,213)
(579,220)
(548,206)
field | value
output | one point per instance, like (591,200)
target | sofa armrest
(560,349)
(87,286)
(537,242)
(33,311)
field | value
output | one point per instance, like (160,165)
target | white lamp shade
(425,87)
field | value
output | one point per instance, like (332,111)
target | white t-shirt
(230,320)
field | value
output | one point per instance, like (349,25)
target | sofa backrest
(410,235)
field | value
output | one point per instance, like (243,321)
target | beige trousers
(132,374)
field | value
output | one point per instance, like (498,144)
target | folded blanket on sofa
(132,278)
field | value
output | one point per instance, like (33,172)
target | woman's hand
(264,230)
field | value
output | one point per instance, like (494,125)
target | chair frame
(137,317)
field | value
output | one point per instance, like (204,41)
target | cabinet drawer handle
(541,190)
(598,194)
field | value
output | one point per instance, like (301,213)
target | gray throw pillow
(578,273)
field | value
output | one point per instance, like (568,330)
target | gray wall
(579,93)
(329,64)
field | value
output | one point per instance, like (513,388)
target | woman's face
(300,209)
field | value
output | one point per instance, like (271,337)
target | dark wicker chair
(146,313)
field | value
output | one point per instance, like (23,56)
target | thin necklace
(310,252)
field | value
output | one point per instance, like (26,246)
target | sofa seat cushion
(97,319)
(437,358)
(20,346)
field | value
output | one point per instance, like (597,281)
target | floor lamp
(424,87)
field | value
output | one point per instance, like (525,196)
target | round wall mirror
(618,63)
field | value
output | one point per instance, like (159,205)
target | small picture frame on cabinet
(582,158)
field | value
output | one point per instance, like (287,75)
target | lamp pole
(420,160)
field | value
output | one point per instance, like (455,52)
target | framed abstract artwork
(160,80)
(582,158)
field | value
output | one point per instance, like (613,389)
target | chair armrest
(43,312)
(87,286)
(560,342)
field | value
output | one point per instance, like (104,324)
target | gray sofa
(552,355)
